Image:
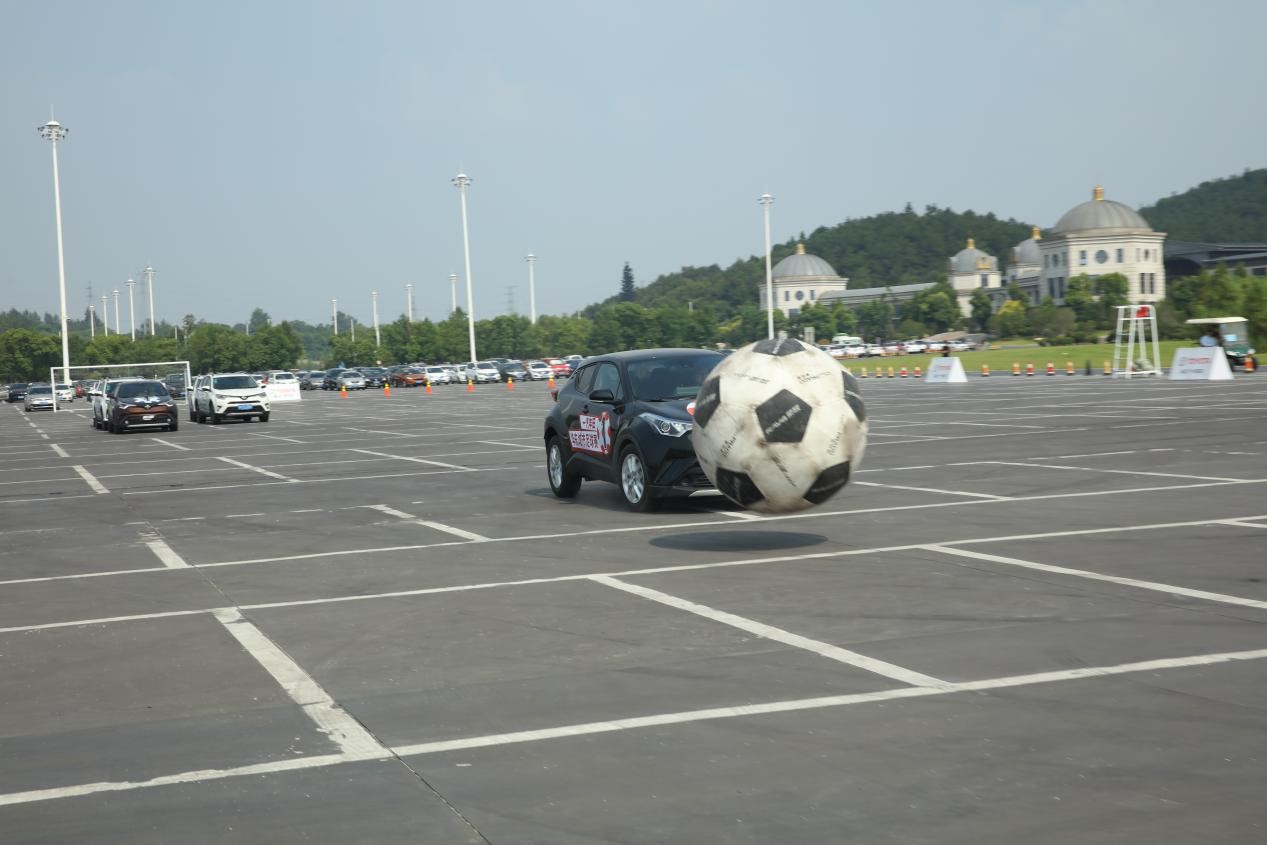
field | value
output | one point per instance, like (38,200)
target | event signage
(945,371)
(282,391)
(1203,363)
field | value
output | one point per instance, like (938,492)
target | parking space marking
(1111,471)
(1096,576)
(438,526)
(503,443)
(414,460)
(278,437)
(61,453)
(1243,523)
(97,486)
(769,632)
(162,551)
(933,490)
(260,470)
(787,706)
(354,741)
(169,443)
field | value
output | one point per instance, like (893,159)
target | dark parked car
(624,418)
(374,376)
(17,392)
(512,370)
(330,381)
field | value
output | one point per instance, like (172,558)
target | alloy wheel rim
(556,466)
(632,478)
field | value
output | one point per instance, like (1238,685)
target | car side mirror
(602,394)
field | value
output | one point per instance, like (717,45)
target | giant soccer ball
(779,425)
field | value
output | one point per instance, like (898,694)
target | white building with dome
(1095,238)
(971,268)
(800,280)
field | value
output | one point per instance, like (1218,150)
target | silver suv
(225,396)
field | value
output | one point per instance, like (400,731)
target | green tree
(625,325)
(627,292)
(352,353)
(216,348)
(273,348)
(1113,290)
(26,354)
(258,321)
(1052,323)
(1009,320)
(982,310)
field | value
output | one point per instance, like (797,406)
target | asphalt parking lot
(1037,614)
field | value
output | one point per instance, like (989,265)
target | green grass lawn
(1000,360)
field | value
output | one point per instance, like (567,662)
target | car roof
(650,354)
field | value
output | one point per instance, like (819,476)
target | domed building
(970,268)
(800,280)
(1098,237)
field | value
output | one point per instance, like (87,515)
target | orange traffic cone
(1069,367)
(904,373)
(985,370)
(1108,368)
(428,387)
(864,373)
(1051,368)
(1016,368)
(918,371)
(510,383)
(1029,368)
(550,382)
(1250,364)
(387,389)
(343,391)
(890,372)
(470,386)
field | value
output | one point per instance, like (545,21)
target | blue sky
(280,154)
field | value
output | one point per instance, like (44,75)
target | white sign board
(1204,363)
(286,391)
(945,371)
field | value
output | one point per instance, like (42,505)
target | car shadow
(754,539)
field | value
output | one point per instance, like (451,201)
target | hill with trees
(1231,210)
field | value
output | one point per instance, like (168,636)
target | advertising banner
(945,371)
(1203,363)
(286,391)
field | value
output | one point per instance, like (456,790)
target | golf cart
(1234,332)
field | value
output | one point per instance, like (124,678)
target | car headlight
(666,426)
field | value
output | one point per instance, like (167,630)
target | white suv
(229,396)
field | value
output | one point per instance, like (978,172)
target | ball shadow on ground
(748,540)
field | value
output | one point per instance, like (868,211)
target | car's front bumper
(240,409)
(145,418)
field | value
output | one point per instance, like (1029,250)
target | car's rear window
(234,382)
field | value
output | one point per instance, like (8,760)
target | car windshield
(63,387)
(373,371)
(351,375)
(142,389)
(40,390)
(436,369)
(486,365)
(234,382)
(658,379)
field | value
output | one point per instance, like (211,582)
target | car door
(594,415)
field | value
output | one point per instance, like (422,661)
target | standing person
(1211,337)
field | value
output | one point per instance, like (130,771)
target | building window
(1147,254)
(1082,258)
(787,296)
(811,296)
(1121,255)
(1046,261)
(985,280)
(1152,282)
(1141,282)
(1062,287)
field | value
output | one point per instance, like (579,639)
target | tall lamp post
(532,289)
(766,201)
(378,340)
(131,308)
(149,287)
(54,132)
(105,317)
(334,315)
(409,301)
(92,320)
(462,182)
(118,324)
(453,292)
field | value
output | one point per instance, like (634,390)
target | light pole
(766,201)
(453,292)
(131,308)
(105,317)
(118,324)
(334,315)
(462,182)
(409,301)
(54,132)
(532,290)
(378,340)
(149,286)
(92,320)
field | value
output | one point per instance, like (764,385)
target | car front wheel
(634,482)
(563,484)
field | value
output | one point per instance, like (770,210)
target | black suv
(17,392)
(624,418)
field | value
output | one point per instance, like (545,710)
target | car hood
(675,409)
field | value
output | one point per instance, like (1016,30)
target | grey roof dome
(971,260)
(803,266)
(1026,252)
(1098,214)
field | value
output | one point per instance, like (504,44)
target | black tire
(635,482)
(96,425)
(263,417)
(174,426)
(215,418)
(563,484)
(115,428)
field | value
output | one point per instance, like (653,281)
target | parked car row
(895,347)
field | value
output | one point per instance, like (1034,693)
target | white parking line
(169,443)
(61,453)
(769,632)
(1112,471)
(438,526)
(164,552)
(414,460)
(353,740)
(933,490)
(97,486)
(260,470)
(1096,576)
